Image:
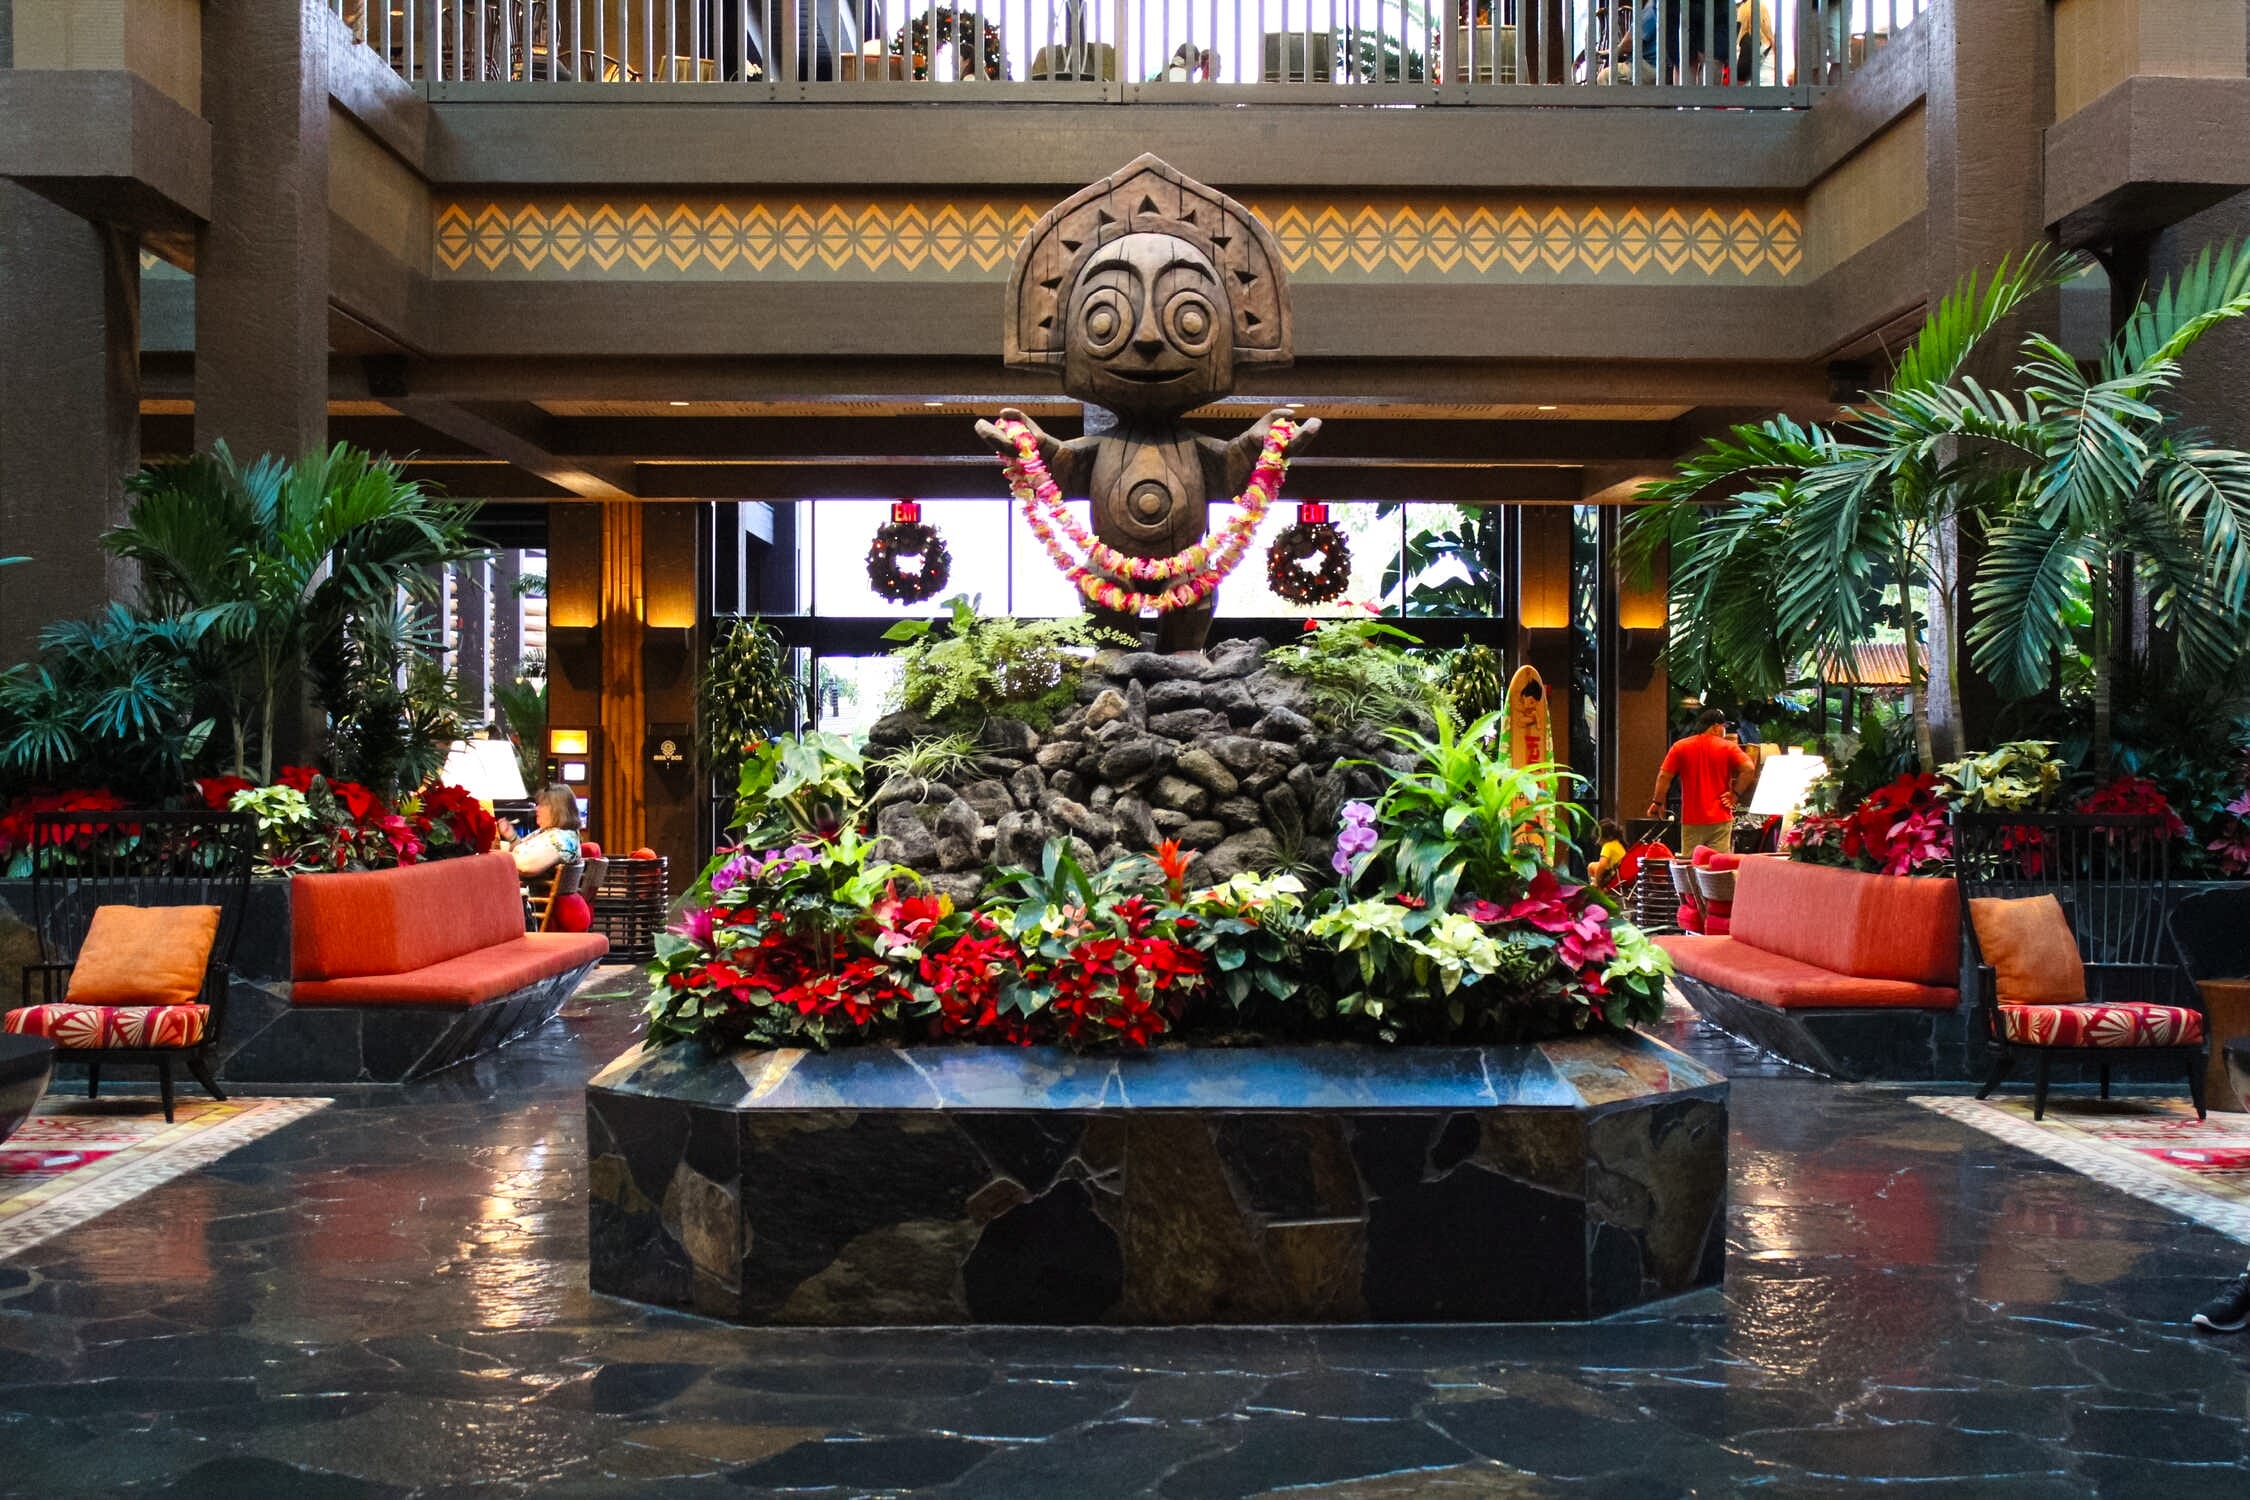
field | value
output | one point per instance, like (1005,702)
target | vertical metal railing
(1600,44)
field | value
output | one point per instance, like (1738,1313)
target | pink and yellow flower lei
(1102,575)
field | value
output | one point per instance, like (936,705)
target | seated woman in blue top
(554,842)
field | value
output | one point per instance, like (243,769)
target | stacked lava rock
(1217,751)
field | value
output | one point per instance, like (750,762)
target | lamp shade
(485,769)
(1783,781)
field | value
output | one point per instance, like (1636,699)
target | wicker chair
(82,861)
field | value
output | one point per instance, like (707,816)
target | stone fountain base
(1332,1184)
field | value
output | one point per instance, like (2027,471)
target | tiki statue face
(1149,329)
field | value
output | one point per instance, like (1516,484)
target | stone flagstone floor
(389,1298)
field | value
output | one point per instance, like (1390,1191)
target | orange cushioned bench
(1845,973)
(447,933)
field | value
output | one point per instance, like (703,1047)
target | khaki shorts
(1715,836)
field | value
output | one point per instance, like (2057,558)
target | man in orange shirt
(1713,771)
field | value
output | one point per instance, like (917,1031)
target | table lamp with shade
(1784,781)
(487,770)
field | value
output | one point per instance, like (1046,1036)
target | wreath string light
(906,535)
(914,41)
(1183,580)
(1312,535)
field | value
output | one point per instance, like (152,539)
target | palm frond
(1977,304)
(2213,289)
(2020,591)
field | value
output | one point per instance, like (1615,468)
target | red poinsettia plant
(16,823)
(1898,829)
(2128,795)
(817,943)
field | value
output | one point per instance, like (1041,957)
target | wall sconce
(668,600)
(568,741)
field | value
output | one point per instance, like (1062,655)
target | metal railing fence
(1610,51)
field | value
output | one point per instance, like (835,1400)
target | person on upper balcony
(1714,773)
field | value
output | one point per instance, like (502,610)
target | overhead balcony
(1737,54)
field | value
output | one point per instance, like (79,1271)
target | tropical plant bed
(958,1184)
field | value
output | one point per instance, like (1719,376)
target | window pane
(1374,545)
(1040,588)
(974,532)
(853,692)
(1452,563)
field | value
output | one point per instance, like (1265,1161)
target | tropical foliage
(1361,672)
(961,669)
(1453,924)
(1822,535)
(747,692)
(2109,495)
(294,566)
(111,702)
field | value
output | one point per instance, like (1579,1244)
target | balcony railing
(1758,52)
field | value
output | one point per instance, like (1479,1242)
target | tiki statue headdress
(1205,271)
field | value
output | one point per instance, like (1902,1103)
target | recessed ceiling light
(675,403)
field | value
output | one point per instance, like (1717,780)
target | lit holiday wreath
(913,41)
(1286,573)
(907,535)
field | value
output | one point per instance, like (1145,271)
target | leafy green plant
(746,694)
(110,701)
(1354,674)
(808,786)
(286,561)
(941,757)
(393,709)
(2104,486)
(2021,776)
(1475,683)
(1462,820)
(1448,572)
(969,667)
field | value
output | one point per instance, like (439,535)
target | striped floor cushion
(92,1026)
(2123,1025)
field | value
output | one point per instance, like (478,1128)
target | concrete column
(261,272)
(1991,93)
(69,411)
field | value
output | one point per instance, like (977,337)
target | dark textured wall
(2215,384)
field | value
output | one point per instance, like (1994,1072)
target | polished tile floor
(390,1299)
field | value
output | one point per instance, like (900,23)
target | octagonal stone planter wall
(953,1185)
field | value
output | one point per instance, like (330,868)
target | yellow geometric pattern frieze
(1572,240)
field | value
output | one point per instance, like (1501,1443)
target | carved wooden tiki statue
(1149,290)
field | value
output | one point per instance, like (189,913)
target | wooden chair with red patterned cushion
(137,915)
(2064,920)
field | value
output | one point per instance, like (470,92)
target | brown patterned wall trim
(713,239)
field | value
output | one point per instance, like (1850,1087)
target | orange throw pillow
(144,955)
(2033,956)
